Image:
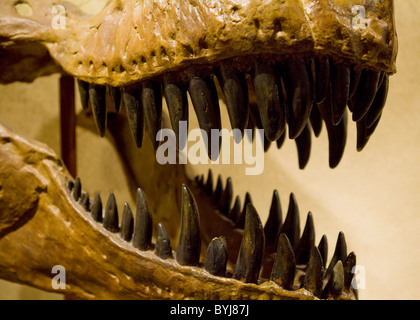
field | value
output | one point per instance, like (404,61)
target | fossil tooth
(348,266)
(114,95)
(323,249)
(355,75)
(240,221)
(216,257)
(256,119)
(97,96)
(291,226)
(314,273)
(85,201)
(274,220)
(236,209)
(70,185)
(335,284)
(208,187)
(340,252)
(284,268)
(364,133)
(316,120)
(77,189)
(378,104)
(280,140)
(300,95)
(163,247)
(96,208)
(322,78)
(143,227)
(270,100)
(189,242)
(219,189)
(365,93)
(111,214)
(131,98)
(235,89)
(251,252)
(177,102)
(340,86)
(204,98)
(151,99)
(306,242)
(303,146)
(127,222)
(83,93)
(227,197)
(251,125)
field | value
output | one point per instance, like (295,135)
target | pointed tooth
(316,120)
(189,242)
(314,274)
(362,137)
(219,189)
(348,266)
(203,95)
(97,94)
(251,252)
(306,242)
(340,83)
(235,89)
(77,189)
(236,209)
(111,214)
(291,226)
(127,221)
(84,201)
(131,98)
(375,110)
(177,102)
(340,252)
(209,183)
(96,209)
(355,75)
(270,100)
(284,268)
(163,247)
(273,224)
(335,284)
(322,78)
(227,197)
(250,133)
(300,95)
(216,257)
(151,99)
(365,94)
(303,145)
(280,140)
(70,185)
(323,249)
(114,96)
(240,221)
(142,237)
(255,115)
(83,93)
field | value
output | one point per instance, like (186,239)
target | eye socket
(24,9)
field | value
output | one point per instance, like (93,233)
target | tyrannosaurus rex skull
(278,63)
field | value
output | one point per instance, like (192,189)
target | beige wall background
(373,196)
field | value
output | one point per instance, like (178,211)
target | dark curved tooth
(111,214)
(323,249)
(216,257)
(250,133)
(306,242)
(340,252)
(270,100)
(189,242)
(83,93)
(163,247)
(97,96)
(77,189)
(127,222)
(364,132)
(235,89)
(322,78)
(114,96)
(291,226)
(236,209)
(348,266)
(219,189)
(303,146)
(227,197)
(96,209)
(131,97)
(143,228)
(280,140)
(284,267)
(255,115)
(335,284)
(251,252)
(316,120)
(151,98)
(355,75)
(274,220)
(365,93)
(240,221)
(84,201)
(314,274)
(340,85)
(300,95)
(375,110)
(208,187)
(204,98)
(177,102)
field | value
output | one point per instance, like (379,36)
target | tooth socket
(143,228)
(127,223)
(111,214)
(284,268)
(216,257)
(163,247)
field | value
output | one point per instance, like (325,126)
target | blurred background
(373,196)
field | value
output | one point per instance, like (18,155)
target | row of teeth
(298,263)
(294,92)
